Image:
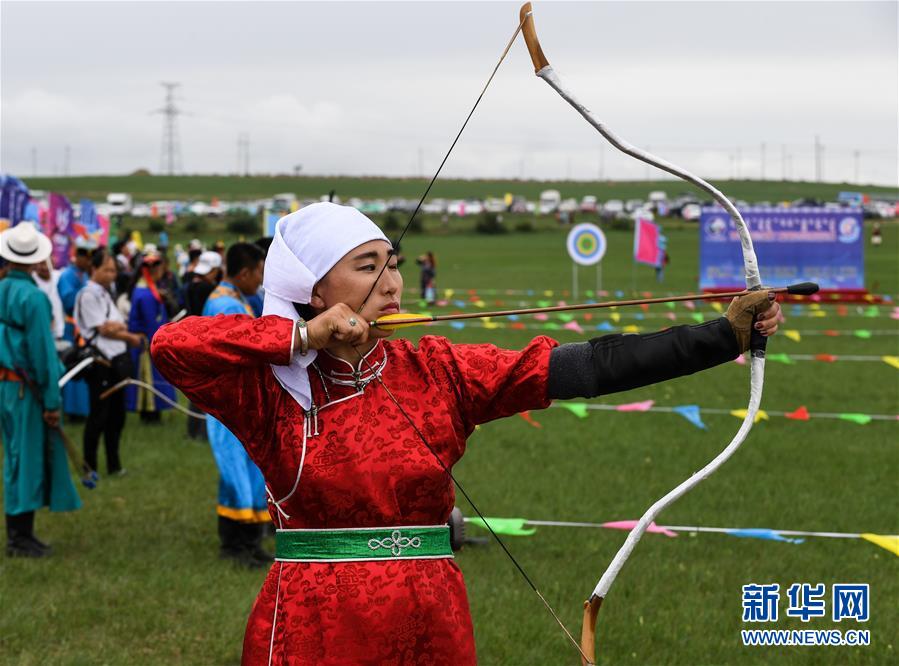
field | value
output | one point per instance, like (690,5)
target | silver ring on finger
(352,321)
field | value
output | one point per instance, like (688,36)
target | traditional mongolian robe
(35,467)
(364,467)
(241,485)
(75,396)
(147,314)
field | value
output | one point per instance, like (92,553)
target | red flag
(800,414)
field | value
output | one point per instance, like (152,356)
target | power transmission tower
(243,153)
(857,155)
(763,161)
(170,155)
(817,159)
(33,161)
(65,162)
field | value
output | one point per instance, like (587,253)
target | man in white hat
(35,468)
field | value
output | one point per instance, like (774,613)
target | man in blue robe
(242,505)
(74,277)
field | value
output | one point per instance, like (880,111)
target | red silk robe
(366,467)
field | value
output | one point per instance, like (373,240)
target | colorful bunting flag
(892,361)
(760,415)
(630,524)
(793,335)
(643,406)
(800,414)
(691,413)
(505,526)
(890,542)
(781,358)
(861,419)
(579,409)
(527,417)
(762,533)
(573,326)
(863,334)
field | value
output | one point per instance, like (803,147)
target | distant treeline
(144,187)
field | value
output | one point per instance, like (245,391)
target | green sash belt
(366,543)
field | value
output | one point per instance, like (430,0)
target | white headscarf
(306,246)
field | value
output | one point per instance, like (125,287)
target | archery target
(586,244)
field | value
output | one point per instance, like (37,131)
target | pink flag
(643,406)
(646,242)
(573,326)
(629,525)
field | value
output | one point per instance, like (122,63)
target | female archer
(354,435)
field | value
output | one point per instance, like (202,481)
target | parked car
(568,206)
(435,206)
(589,204)
(494,205)
(633,204)
(612,208)
(691,211)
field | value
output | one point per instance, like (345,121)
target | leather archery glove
(742,313)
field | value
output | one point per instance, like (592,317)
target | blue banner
(793,245)
(14,198)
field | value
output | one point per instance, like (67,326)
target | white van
(119,203)
(549,202)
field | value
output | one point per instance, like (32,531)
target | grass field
(136,579)
(152,188)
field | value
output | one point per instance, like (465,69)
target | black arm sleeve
(619,362)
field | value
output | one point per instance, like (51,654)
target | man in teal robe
(35,467)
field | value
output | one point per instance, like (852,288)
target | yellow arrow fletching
(404,319)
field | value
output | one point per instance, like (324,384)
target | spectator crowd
(106,305)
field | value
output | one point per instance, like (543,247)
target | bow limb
(152,389)
(753,281)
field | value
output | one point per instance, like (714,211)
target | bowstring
(408,418)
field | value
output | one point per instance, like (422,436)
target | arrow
(406,319)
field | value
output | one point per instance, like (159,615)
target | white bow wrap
(306,246)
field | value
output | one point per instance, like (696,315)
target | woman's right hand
(338,324)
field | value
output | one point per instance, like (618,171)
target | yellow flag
(631,328)
(760,415)
(138,240)
(448,293)
(817,313)
(716,306)
(479,303)
(793,335)
(891,543)
(616,317)
(891,360)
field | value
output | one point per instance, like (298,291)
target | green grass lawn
(136,579)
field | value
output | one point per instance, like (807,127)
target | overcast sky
(381,88)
